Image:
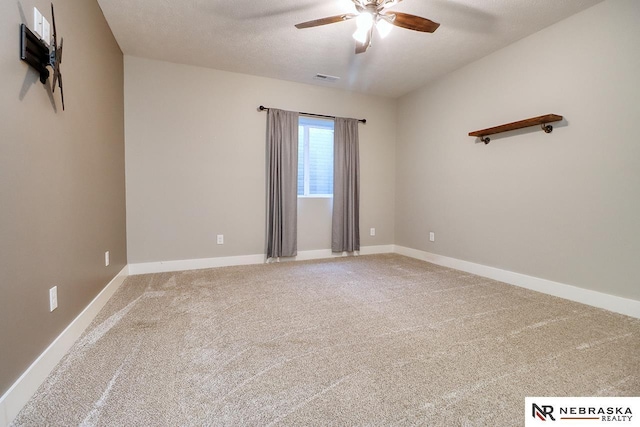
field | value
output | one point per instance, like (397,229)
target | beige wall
(563,206)
(62,188)
(195,156)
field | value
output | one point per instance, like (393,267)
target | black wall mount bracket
(35,52)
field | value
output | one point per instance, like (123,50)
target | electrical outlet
(220,239)
(432,236)
(53,298)
(106,259)
(372,231)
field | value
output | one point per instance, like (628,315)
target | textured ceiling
(259,37)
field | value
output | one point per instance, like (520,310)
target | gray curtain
(282,183)
(345,233)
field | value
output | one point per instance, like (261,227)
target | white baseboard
(21,391)
(613,303)
(196,264)
(193,264)
(326,253)
(372,250)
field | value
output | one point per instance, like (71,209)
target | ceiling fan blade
(325,21)
(415,23)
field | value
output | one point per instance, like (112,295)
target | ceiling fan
(373,14)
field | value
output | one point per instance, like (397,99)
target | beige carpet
(369,340)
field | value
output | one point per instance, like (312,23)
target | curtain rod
(263,108)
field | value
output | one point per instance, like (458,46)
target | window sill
(317,196)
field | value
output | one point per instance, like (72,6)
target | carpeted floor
(368,340)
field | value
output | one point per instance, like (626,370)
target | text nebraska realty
(606,413)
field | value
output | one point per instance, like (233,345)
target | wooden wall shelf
(534,121)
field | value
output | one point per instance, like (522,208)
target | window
(315,157)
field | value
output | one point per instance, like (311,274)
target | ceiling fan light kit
(373,13)
(365,23)
(383,26)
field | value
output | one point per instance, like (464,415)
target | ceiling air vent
(326,78)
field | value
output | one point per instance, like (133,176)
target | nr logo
(542,412)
